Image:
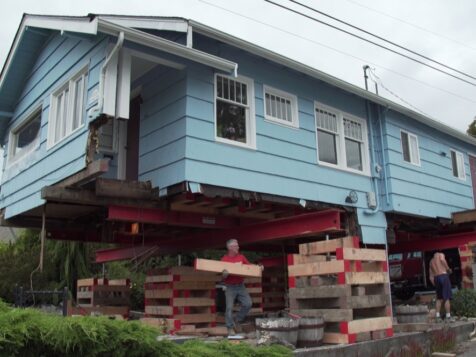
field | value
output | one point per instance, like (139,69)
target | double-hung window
(280,107)
(410,149)
(457,162)
(25,137)
(234,121)
(67,108)
(341,140)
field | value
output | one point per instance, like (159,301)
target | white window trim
(461,175)
(294,107)
(52,115)
(20,125)
(340,141)
(418,163)
(251,120)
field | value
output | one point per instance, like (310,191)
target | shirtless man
(440,279)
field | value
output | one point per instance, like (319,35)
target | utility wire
(380,38)
(339,51)
(370,41)
(412,24)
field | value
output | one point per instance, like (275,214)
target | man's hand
(225,274)
(261,267)
(449,271)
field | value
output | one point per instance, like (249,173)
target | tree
(472,128)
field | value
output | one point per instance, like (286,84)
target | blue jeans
(232,293)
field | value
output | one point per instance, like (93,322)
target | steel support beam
(435,243)
(110,255)
(173,218)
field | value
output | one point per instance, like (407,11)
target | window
(410,149)
(280,107)
(234,116)
(457,162)
(341,140)
(67,108)
(26,137)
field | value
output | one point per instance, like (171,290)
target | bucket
(412,314)
(311,332)
(282,328)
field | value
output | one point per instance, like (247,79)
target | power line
(412,24)
(370,41)
(363,60)
(380,38)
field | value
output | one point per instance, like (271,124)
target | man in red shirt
(235,289)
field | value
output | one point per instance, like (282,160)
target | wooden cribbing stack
(345,285)
(274,283)
(103,296)
(185,297)
(254,288)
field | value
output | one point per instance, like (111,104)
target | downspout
(98,108)
(373,178)
(384,163)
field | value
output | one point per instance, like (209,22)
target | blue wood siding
(60,58)
(430,189)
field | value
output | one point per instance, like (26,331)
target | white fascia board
(312,72)
(82,25)
(176,25)
(174,48)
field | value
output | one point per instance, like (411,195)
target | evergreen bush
(464,303)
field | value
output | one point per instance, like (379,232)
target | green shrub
(28,333)
(464,303)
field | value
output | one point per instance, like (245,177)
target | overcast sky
(441,29)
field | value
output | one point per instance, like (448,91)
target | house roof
(34,28)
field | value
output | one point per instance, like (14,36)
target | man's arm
(443,261)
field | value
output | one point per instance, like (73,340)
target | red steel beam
(110,255)
(435,243)
(173,218)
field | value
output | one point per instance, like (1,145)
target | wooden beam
(464,216)
(365,325)
(365,278)
(305,259)
(368,301)
(319,268)
(138,190)
(232,268)
(328,246)
(324,292)
(361,254)
(329,315)
(93,170)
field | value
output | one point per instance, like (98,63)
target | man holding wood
(235,288)
(439,277)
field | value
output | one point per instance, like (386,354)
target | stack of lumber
(345,285)
(466,257)
(103,296)
(183,296)
(274,284)
(254,288)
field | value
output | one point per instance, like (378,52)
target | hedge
(28,332)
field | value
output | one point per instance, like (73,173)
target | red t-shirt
(234,279)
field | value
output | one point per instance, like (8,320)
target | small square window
(457,163)
(280,107)
(410,149)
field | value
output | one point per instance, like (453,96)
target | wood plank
(195,318)
(335,338)
(318,268)
(411,327)
(366,278)
(192,302)
(118,282)
(331,291)
(255,290)
(159,278)
(86,282)
(464,216)
(214,331)
(373,266)
(369,301)
(126,189)
(364,254)
(329,315)
(327,246)
(232,268)
(194,285)
(372,324)
(89,173)
(158,294)
(159,310)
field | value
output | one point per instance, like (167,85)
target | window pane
(353,152)
(352,129)
(460,161)
(405,147)
(279,107)
(58,116)
(268,103)
(78,103)
(327,147)
(28,136)
(64,114)
(231,121)
(219,87)
(414,153)
(326,120)
(454,163)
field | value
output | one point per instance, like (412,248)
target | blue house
(112,120)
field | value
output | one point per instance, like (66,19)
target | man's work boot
(238,327)
(231,331)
